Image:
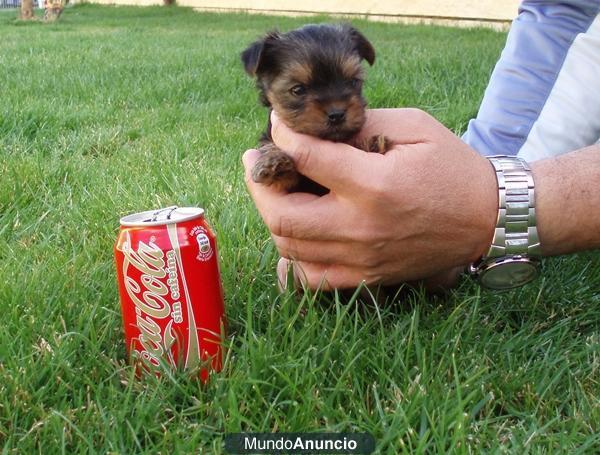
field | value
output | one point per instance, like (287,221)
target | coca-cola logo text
(149,295)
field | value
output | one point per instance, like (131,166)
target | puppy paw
(376,144)
(275,168)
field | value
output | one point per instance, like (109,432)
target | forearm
(543,98)
(567,192)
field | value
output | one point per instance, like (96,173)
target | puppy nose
(336,116)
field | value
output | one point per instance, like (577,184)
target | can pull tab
(163,214)
(159,217)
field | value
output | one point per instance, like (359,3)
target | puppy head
(313,77)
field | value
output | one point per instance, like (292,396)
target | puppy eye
(356,83)
(298,90)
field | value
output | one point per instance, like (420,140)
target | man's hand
(425,207)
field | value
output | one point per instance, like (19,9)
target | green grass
(117,110)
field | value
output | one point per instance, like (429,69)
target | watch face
(509,274)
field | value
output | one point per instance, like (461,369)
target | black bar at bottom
(299,443)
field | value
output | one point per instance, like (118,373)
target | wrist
(546,210)
(512,259)
(556,209)
(485,210)
(568,202)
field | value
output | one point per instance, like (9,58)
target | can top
(159,217)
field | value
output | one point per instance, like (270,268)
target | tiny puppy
(312,77)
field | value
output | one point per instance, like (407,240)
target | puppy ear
(255,58)
(363,46)
(251,57)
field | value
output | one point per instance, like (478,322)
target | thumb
(401,126)
(335,165)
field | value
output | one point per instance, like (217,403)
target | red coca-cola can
(170,290)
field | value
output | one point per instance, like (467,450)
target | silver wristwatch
(514,256)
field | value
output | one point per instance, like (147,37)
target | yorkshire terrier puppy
(312,77)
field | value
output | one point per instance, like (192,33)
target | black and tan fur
(312,77)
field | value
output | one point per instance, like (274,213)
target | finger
(401,126)
(317,276)
(296,215)
(249,159)
(338,251)
(266,193)
(327,277)
(335,165)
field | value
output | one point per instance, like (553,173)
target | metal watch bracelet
(516,231)
(515,235)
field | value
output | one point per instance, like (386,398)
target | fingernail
(283,267)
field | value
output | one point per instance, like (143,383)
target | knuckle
(279,225)
(371,260)
(420,115)
(373,277)
(281,245)
(286,247)
(379,186)
(363,233)
(370,235)
(303,157)
(273,224)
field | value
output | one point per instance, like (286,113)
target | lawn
(117,110)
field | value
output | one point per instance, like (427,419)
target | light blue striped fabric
(538,43)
